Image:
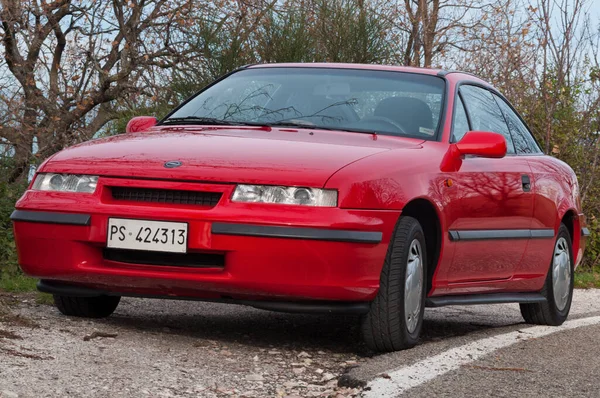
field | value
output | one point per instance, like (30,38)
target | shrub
(8,256)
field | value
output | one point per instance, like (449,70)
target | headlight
(285,195)
(65,183)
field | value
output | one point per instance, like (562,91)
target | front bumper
(270,252)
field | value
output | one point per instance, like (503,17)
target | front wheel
(87,307)
(558,288)
(395,317)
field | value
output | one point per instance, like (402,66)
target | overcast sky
(595,12)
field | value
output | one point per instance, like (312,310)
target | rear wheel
(558,288)
(395,318)
(87,307)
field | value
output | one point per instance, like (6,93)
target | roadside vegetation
(73,70)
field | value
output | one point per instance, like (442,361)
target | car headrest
(410,113)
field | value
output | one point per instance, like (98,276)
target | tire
(553,312)
(87,307)
(385,327)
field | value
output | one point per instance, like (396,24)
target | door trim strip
(494,234)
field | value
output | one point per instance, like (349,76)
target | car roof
(331,65)
(448,74)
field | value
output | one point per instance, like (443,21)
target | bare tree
(562,45)
(434,27)
(502,49)
(68,60)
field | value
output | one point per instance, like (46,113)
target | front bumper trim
(220,228)
(300,306)
(338,235)
(51,217)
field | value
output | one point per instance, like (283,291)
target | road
(186,349)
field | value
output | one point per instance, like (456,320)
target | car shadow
(235,324)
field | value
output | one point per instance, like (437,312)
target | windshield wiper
(309,125)
(291,123)
(200,120)
(281,123)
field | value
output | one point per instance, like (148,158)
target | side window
(460,125)
(524,142)
(485,114)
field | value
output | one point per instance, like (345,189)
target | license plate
(158,236)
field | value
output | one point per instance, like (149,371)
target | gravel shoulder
(165,348)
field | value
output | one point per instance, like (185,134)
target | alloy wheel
(413,286)
(561,273)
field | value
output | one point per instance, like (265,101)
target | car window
(383,102)
(460,125)
(485,114)
(523,140)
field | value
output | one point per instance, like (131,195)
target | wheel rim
(561,274)
(413,286)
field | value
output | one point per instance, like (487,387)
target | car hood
(213,154)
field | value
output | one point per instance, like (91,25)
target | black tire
(548,313)
(87,307)
(384,327)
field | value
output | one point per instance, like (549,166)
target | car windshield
(382,102)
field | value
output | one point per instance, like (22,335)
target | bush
(8,256)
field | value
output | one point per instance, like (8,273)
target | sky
(595,12)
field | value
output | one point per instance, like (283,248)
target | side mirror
(140,123)
(482,143)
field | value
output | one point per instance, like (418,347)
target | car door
(492,217)
(545,213)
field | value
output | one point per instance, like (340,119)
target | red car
(374,190)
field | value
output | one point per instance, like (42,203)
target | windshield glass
(383,102)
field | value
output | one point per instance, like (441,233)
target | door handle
(526,183)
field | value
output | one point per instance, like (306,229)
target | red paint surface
(482,143)
(376,177)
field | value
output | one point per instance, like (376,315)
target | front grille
(192,260)
(197,198)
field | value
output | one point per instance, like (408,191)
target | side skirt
(492,298)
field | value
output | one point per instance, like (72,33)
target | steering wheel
(388,121)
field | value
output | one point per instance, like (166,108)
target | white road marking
(428,369)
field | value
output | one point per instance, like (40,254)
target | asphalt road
(186,349)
